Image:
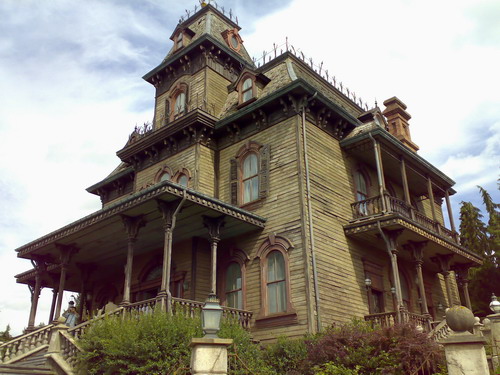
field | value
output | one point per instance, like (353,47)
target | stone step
(22,370)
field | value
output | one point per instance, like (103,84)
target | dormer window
(178,40)
(247,89)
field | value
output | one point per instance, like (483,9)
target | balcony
(387,205)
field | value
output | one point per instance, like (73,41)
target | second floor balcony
(388,205)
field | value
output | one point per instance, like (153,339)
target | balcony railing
(374,206)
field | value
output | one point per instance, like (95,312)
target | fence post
(465,354)
(209,356)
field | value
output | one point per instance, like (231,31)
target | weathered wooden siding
(205,171)
(216,91)
(281,208)
(183,159)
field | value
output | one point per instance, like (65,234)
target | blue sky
(71,92)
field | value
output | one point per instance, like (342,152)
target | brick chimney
(397,118)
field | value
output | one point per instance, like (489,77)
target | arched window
(183,180)
(180,104)
(234,286)
(276,308)
(165,176)
(276,283)
(250,178)
(247,90)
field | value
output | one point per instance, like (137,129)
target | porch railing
(374,206)
(389,319)
(24,344)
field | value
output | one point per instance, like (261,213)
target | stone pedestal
(209,356)
(465,354)
(494,326)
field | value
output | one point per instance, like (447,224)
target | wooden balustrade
(373,206)
(24,344)
(440,331)
(389,319)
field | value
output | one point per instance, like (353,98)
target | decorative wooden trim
(164,169)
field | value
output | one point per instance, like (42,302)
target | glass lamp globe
(211,315)
(495,305)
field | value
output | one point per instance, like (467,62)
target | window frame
(244,78)
(161,172)
(241,258)
(177,90)
(181,173)
(289,316)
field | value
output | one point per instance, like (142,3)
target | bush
(286,356)
(156,343)
(395,350)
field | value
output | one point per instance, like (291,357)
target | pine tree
(484,240)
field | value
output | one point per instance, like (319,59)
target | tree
(5,335)
(483,239)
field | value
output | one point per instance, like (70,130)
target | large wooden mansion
(269,186)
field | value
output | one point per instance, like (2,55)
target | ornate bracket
(132,225)
(214,226)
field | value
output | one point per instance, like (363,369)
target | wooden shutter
(233,176)
(264,172)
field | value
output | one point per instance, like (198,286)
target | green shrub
(286,355)
(330,368)
(156,343)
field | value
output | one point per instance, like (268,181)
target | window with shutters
(276,304)
(250,174)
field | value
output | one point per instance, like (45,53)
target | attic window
(179,40)
(247,90)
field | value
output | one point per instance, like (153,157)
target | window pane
(183,180)
(275,267)
(247,95)
(361,185)
(233,277)
(180,103)
(250,166)
(165,176)
(276,297)
(247,84)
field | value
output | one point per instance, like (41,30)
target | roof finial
(203,4)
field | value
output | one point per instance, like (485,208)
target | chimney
(397,118)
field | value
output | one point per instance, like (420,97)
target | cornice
(134,201)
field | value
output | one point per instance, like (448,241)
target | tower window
(250,178)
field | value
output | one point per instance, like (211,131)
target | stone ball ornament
(460,318)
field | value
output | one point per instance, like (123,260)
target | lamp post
(494,305)
(211,314)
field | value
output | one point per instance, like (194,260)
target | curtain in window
(234,293)
(247,92)
(250,178)
(276,282)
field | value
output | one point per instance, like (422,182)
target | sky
(71,93)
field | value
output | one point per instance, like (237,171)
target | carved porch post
(431,198)
(214,225)
(462,271)
(450,214)
(417,251)
(132,226)
(443,262)
(65,253)
(392,236)
(169,212)
(52,305)
(40,268)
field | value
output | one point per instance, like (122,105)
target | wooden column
(85,272)
(169,211)
(404,179)
(391,242)
(132,226)
(40,268)
(214,225)
(450,213)
(417,251)
(443,262)
(65,254)
(431,198)
(52,305)
(380,172)
(462,271)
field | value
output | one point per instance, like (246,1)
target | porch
(390,318)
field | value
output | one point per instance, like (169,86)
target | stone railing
(69,348)
(24,344)
(416,319)
(440,331)
(374,206)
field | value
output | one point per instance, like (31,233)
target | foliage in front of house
(159,344)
